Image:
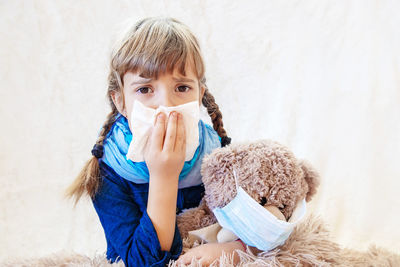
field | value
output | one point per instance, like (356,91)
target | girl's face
(170,89)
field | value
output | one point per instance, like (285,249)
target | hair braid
(216,117)
(107,125)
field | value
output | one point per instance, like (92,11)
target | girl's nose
(166,100)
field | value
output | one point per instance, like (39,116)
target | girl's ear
(202,90)
(118,100)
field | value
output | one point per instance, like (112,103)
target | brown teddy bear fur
(308,245)
(266,170)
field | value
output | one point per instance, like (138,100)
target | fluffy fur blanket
(309,245)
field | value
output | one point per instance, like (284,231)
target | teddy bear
(266,170)
(270,173)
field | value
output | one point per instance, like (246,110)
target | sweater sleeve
(129,231)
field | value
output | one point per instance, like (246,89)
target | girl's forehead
(175,73)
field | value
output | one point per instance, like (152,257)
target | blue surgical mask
(254,224)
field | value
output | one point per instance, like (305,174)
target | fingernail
(161,115)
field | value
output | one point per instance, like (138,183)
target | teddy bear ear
(311,177)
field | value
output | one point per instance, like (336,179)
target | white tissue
(142,121)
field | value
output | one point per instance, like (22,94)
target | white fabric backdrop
(319,76)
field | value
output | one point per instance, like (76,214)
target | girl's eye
(144,90)
(183,88)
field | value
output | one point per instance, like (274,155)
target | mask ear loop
(236,180)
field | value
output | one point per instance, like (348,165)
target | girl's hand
(208,253)
(165,152)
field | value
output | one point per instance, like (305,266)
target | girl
(158,62)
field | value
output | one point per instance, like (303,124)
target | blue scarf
(117,143)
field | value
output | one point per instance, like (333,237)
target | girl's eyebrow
(183,79)
(179,79)
(141,81)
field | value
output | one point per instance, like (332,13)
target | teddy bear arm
(194,218)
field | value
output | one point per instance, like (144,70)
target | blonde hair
(151,47)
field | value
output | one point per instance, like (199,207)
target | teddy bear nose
(263,201)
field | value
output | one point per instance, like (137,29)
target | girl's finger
(180,144)
(158,132)
(170,135)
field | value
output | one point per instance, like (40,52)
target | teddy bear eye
(263,201)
